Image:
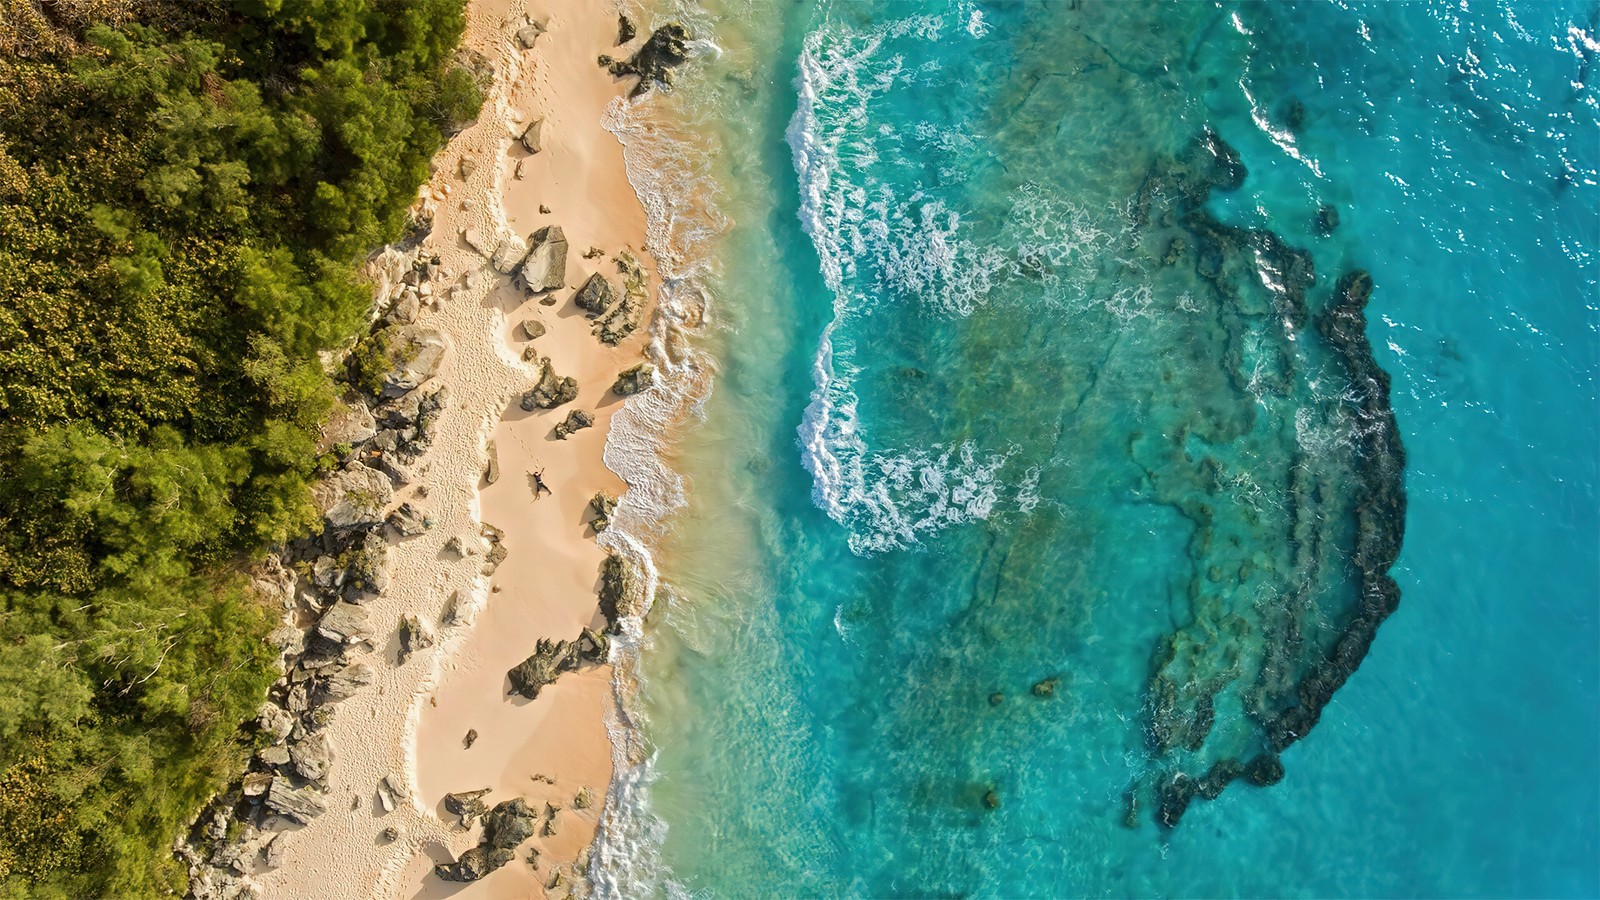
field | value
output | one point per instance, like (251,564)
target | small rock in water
(1046,688)
(1327,220)
(991,799)
(996,698)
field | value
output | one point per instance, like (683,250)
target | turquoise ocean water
(1046,490)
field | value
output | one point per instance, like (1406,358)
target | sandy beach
(411,723)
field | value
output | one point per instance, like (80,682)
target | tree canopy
(186,189)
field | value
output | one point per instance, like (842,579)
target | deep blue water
(982,423)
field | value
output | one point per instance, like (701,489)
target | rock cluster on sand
(510,823)
(551,658)
(614,325)
(325,580)
(552,390)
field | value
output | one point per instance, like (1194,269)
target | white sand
(411,721)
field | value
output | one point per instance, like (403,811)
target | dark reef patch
(1297,495)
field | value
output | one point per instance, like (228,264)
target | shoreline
(411,723)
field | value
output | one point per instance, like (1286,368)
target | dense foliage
(185,189)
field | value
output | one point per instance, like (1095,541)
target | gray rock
(311,756)
(273,756)
(481,244)
(468,165)
(533,329)
(274,722)
(552,389)
(529,33)
(545,268)
(634,380)
(510,823)
(406,309)
(576,421)
(509,252)
(596,295)
(350,424)
(274,852)
(355,497)
(347,682)
(255,784)
(343,623)
(414,636)
(418,353)
(533,136)
(408,521)
(301,805)
(366,569)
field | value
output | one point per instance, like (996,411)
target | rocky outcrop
(532,137)
(634,380)
(667,48)
(545,267)
(549,660)
(474,864)
(353,498)
(468,805)
(596,295)
(299,804)
(603,505)
(415,635)
(615,325)
(619,591)
(576,421)
(510,823)
(552,390)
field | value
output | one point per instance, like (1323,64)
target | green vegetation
(185,191)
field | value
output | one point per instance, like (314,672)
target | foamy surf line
(674,186)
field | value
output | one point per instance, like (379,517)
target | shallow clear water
(1015,388)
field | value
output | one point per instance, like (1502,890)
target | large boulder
(343,623)
(350,424)
(549,660)
(545,268)
(576,421)
(533,136)
(354,498)
(416,354)
(634,380)
(311,756)
(510,823)
(474,864)
(346,682)
(467,804)
(508,254)
(596,295)
(300,805)
(552,389)
(619,591)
